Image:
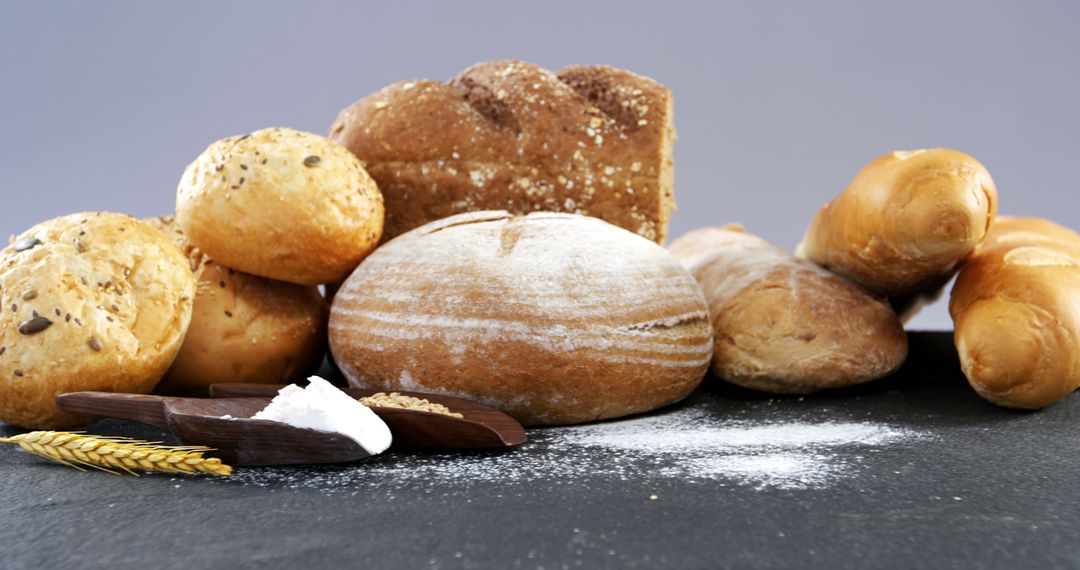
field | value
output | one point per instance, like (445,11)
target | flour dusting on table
(689,443)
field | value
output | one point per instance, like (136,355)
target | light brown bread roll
(552,318)
(510,135)
(281,204)
(904,224)
(1017,316)
(244,328)
(785,325)
(91,301)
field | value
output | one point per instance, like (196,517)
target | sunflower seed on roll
(552,318)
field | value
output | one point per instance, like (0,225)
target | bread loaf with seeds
(552,318)
(1017,316)
(92,301)
(510,135)
(244,328)
(281,204)
(783,324)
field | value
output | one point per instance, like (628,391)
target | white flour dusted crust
(552,318)
(785,325)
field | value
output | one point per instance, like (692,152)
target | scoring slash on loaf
(244,328)
(281,204)
(785,325)
(510,135)
(552,318)
(1016,314)
(904,224)
(91,301)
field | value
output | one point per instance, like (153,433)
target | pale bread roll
(281,204)
(552,318)
(91,301)
(1017,315)
(590,140)
(904,224)
(244,328)
(785,325)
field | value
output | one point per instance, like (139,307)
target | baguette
(904,224)
(1016,315)
(785,325)
(590,140)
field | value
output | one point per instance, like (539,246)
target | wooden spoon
(198,421)
(483,427)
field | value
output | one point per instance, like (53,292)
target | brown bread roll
(91,301)
(552,318)
(510,135)
(281,204)
(904,224)
(244,328)
(785,325)
(1016,314)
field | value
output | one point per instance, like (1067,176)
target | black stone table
(911,471)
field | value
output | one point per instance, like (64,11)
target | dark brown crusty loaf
(510,135)
(552,318)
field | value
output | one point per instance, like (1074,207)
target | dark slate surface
(990,488)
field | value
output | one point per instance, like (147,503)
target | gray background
(778,104)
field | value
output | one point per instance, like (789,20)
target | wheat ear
(114,454)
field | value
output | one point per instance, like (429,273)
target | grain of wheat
(114,454)
(396,400)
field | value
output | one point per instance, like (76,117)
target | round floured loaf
(552,318)
(244,328)
(281,204)
(783,324)
(92,301)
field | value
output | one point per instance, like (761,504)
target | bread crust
(592,140)
(117,296)
(244,328)
(785,325)
(552,318)
(281,204)
(1017,322)
(905,223)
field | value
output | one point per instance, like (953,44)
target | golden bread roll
(782,324)
(552,318)
(244,328)
(281,204)
(91,301)
(1017,316)
(904,224)
(510,135)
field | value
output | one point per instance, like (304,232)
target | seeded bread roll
(785,325)
(281,204)
(1016,314)
(591,140)
(552,318)
(244,328)
(92,301)
(905,223)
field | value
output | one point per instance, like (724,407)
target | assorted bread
(904,225)
(552,318)
(509,135)
(495,237)
(782,324)
(244,328)
(1016,314)
(90,301)
(282,204)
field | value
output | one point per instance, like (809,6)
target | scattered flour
(689,443)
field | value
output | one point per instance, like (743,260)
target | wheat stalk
(118,453)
